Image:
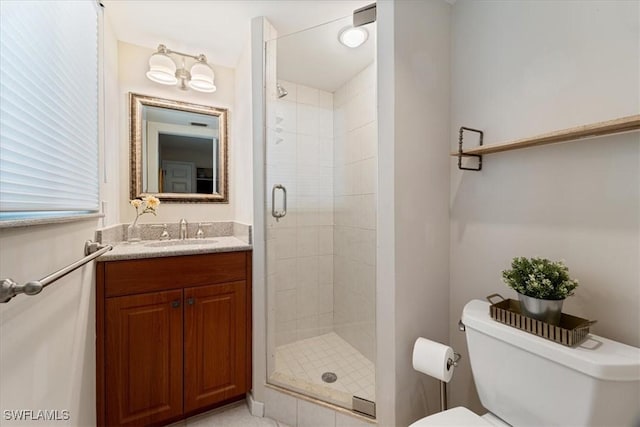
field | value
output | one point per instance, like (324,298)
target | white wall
(110,131)
(47,342)
(132,67)
(524,68)
(422,74)
(385,248)
(241,181)
(413,57)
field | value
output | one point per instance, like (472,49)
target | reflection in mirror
(178,150)
(181,152)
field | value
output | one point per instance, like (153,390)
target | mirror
(178,150)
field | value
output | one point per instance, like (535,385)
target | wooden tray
(571,330)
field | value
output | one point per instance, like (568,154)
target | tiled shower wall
(300,246)
(355,192)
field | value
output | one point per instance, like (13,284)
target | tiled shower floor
(299,366)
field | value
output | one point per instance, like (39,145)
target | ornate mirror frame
(136,104)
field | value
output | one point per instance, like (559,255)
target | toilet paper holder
(454,362)
(443,385)
(436,360)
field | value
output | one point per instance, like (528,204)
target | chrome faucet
(200,232)
(183,229)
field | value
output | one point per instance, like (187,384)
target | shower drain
(329,377)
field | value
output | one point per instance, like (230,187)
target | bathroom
(440,235)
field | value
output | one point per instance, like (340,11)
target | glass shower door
(321,189)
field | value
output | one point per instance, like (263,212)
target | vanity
(173,311)
(173,329)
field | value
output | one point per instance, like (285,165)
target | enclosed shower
(321,192)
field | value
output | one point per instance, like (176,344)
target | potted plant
(542,286)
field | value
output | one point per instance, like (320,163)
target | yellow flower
(136,203)
(152,202)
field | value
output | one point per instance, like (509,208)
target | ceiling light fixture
(163,70)
(353,36)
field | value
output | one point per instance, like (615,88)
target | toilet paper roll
(430,357)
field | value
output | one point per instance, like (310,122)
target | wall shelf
(609,127)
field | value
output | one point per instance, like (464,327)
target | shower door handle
(275,213)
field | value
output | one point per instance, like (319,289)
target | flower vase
(134,233)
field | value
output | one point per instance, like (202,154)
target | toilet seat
(458,417)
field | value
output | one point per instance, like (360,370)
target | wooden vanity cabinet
(173,336)
(215,344)
(143,352)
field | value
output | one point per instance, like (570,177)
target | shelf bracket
(462,154)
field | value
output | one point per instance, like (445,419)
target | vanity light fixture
(353,36)
(163,70)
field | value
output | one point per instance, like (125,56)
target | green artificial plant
(539,278)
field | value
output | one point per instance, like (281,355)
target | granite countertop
(165,248)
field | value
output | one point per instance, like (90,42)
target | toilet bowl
(526,380)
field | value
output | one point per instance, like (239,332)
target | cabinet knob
(175,304)
(191,301)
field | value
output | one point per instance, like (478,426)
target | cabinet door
(215,344)
(144,358)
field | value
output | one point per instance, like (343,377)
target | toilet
(525,380)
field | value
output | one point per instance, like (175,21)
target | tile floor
(236,415)
(300,365)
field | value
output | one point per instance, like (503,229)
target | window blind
(48,108)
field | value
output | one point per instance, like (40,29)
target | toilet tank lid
(597,356)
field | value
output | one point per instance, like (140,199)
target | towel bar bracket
(461,152)
(91,247)
(9,288)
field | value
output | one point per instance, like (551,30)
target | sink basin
(178,243)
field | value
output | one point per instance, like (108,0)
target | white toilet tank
(530,381)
